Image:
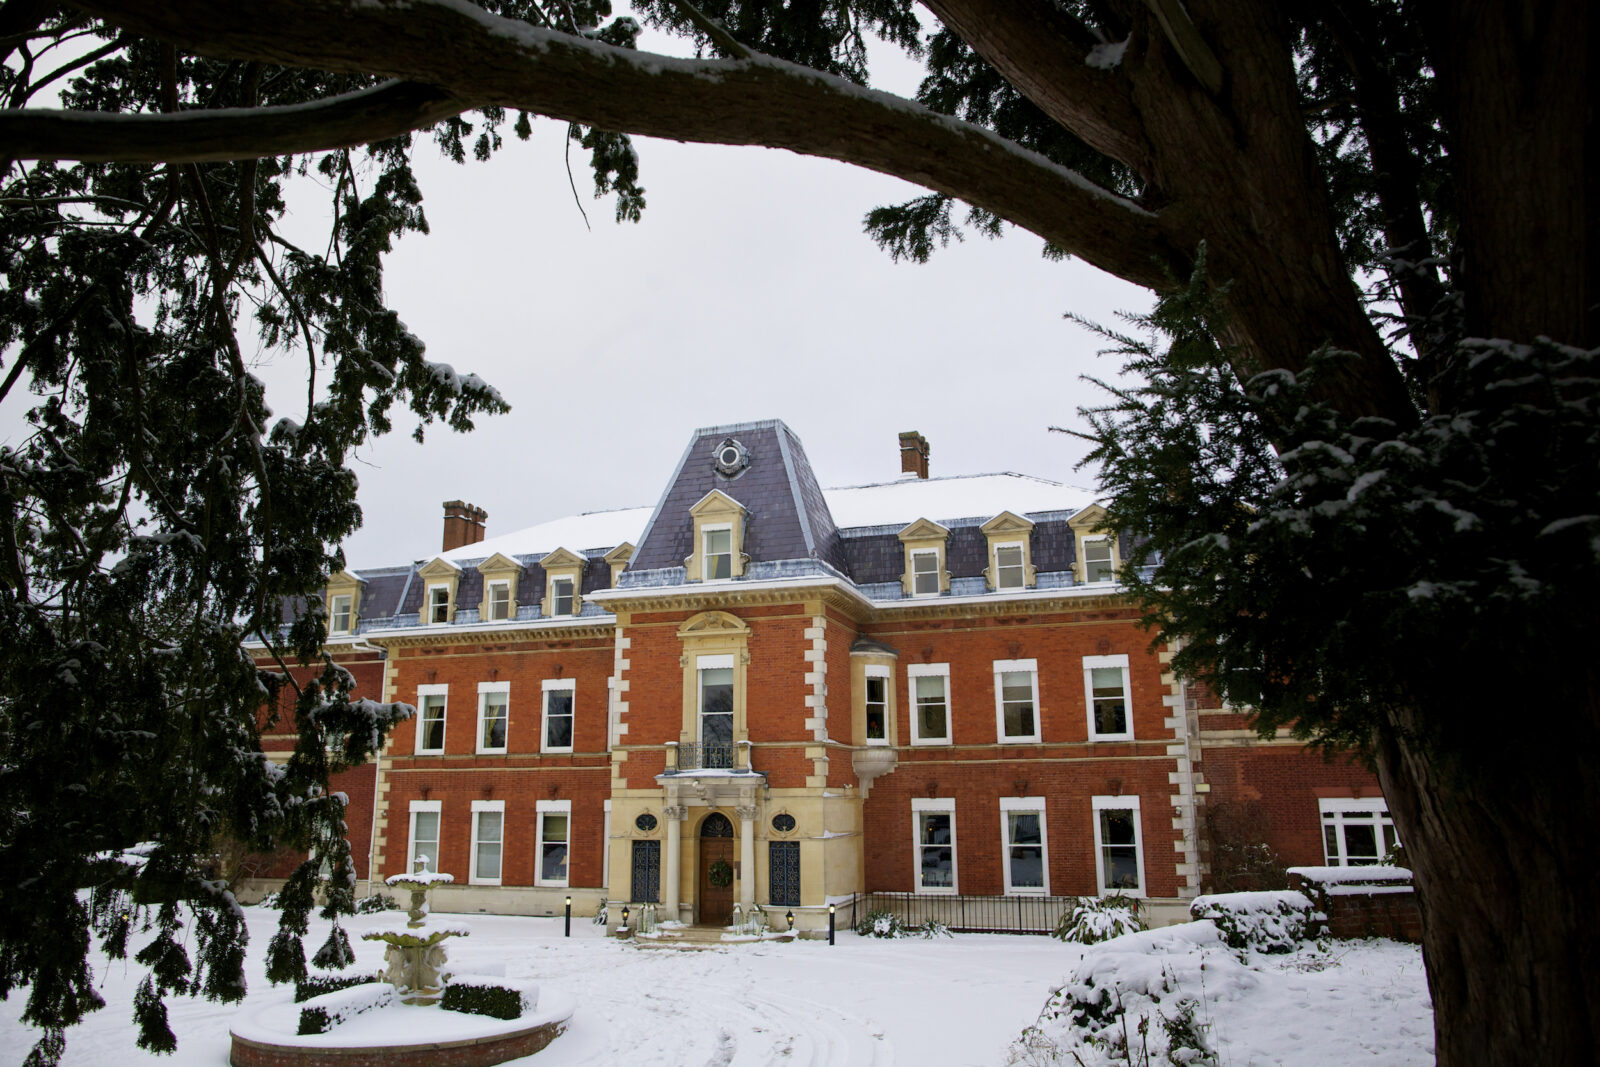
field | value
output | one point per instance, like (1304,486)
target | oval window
(645,822)
(783,823)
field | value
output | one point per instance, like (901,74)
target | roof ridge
(953,478)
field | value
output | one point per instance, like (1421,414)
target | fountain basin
(397,1036)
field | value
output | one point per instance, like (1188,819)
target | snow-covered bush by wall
(1091,920)
(1272,922)
(889,925)
(323,1013)
(1137,999)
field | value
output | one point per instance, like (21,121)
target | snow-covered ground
(950,1002)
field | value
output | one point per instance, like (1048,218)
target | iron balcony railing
(967,914)
(693,756)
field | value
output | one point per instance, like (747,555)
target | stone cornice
(535,630)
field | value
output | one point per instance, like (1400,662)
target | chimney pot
(463,524)
(913,454)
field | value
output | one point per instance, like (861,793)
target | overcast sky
(748,291)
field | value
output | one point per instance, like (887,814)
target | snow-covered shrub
(1265,922)
(1135,1000)
(271,900)
(600,915)
(880,924)
(888,924)
(377,902)
(323,1013)
(1091,920)
(492,995)
(315,985)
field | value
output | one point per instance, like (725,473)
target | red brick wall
(1069,820)
(522,775)
(1278,787)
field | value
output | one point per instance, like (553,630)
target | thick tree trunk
(1505,871)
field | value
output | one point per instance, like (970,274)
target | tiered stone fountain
(416,954)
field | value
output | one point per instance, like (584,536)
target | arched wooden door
(716,866)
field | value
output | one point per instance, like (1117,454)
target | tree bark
(1502,855)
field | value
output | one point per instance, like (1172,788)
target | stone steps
(696,937)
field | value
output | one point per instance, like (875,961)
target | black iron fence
(966,914)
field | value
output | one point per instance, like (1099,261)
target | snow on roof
(597,529)
(976,496)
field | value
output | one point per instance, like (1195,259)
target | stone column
(669,894)
(747,858)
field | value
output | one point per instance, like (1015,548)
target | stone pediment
(562,557)
(499,564)
(439,567)
(1007,522)
(621,554)
(708,623)
(924,530)
(715,503)
(1089,519)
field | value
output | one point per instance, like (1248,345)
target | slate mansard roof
(793,528)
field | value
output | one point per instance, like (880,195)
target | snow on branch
(480,60)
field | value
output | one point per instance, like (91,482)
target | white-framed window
(1016,699)
(1356,833)
(717,558)
(437,604)
(499,601)
(1009,569)
(555,837)
(930,703)
(1024,847)
(432,705)
(877,702)
(559,699)
(714,679)
(488,841)
(1098,562)
(494,715)
(1105,690)
(933,828)
(424,839)
(925,572)
(562,600)
(339,614)
(1118,855)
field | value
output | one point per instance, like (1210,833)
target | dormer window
(563,574)
(340,616)
(343,597)
(926,573)
(438,604)
(1098,565)
(1008,568)
(1098,558)
(499,601)
(718,539)
(561,599)
(718,561)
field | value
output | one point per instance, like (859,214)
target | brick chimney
(913,455)
(463,524)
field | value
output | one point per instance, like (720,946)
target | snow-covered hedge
(1091,920)
(1265,922)
(323,1013)
(315,984)
(493,995)
(1133,998)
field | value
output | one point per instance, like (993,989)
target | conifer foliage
(1363,466)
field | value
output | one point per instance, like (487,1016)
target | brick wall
(1278,787)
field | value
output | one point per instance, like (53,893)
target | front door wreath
(721,874)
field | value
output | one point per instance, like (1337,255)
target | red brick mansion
(763,693)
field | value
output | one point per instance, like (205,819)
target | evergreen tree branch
(482,60)
(715,30)
(225,133)
(1043,51)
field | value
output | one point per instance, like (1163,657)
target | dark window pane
(1027,868)
(938,867)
